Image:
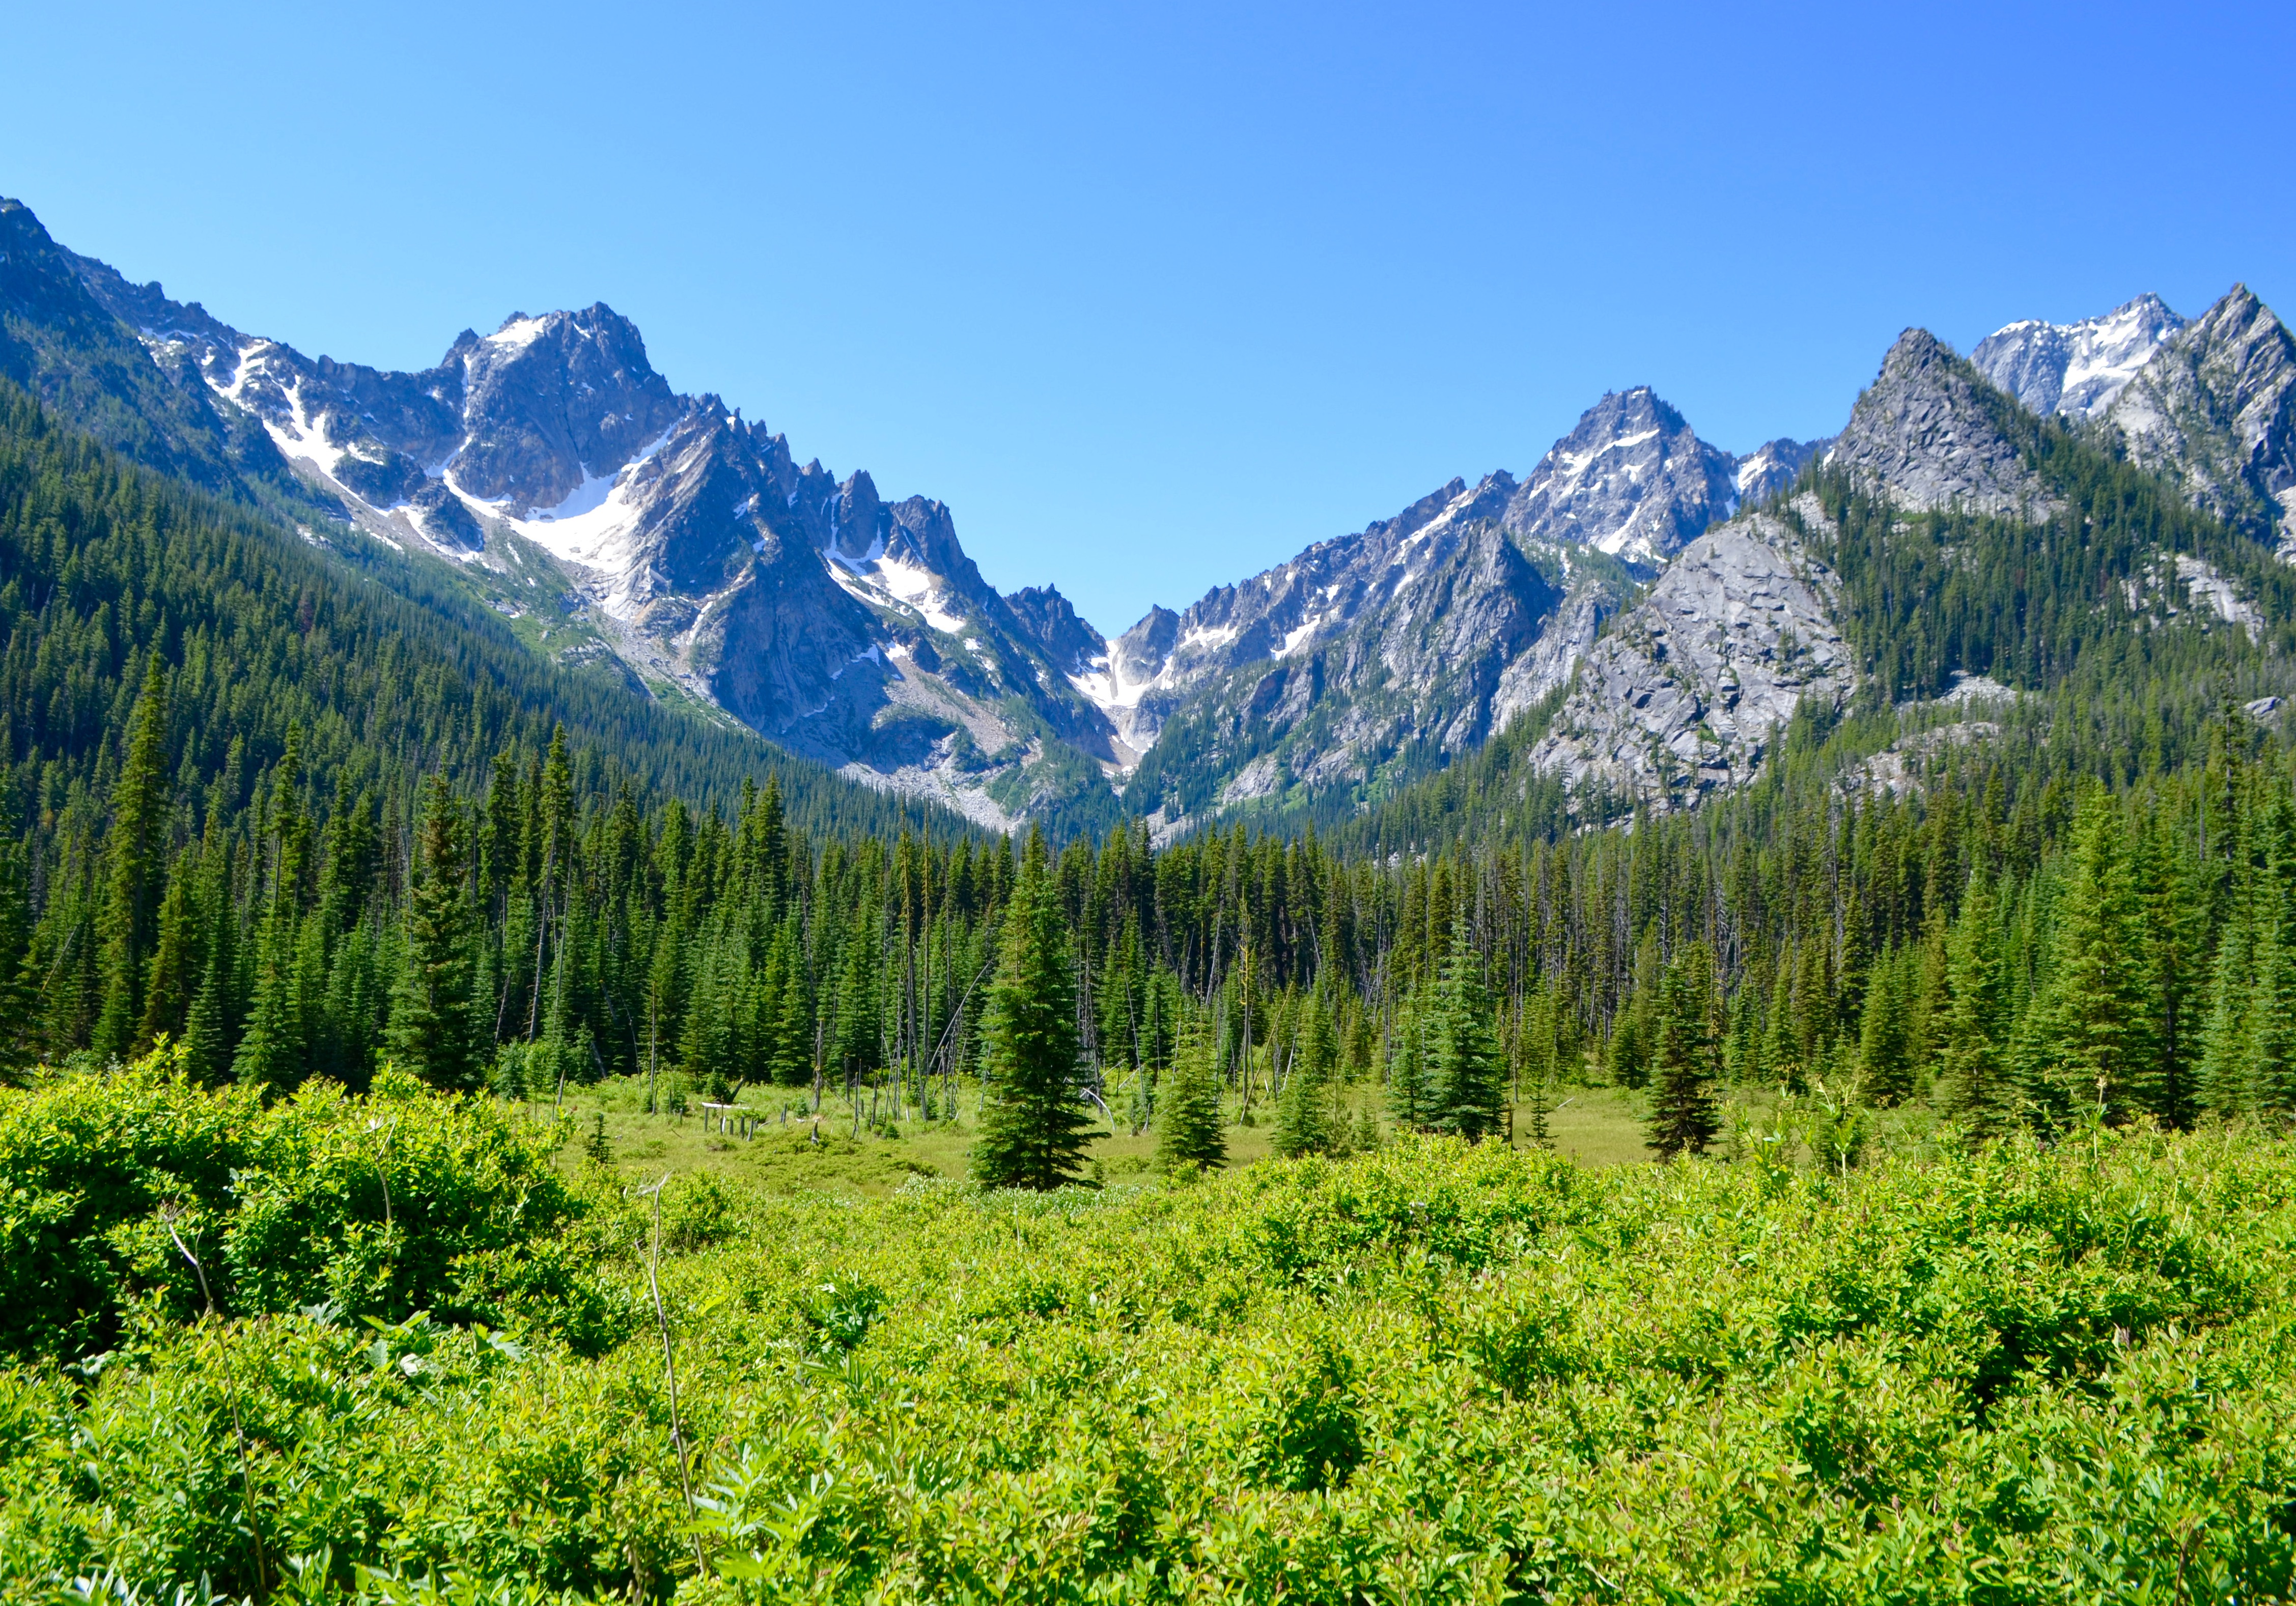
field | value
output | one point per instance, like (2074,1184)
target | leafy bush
(399,1201)
(1429,1374)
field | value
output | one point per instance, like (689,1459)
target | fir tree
(1303,1124)
(138,844)
(1034,1127)
(1469,1072)
(432,1032)
(1686,1060)
(1187,1113)
(1305,1121)
(1972,1076)
(16,1043)
(1883,1058)
(1410,1096)
(2085,1045)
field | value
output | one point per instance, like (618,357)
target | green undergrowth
(1427,1373)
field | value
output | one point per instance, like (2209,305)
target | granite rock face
(1684,696)
(1928,434)
(1632,481)
(2075,370)
(1414,639)
(2214,411)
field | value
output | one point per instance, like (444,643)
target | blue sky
(1154,296)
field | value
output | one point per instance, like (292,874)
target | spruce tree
(2085,1045)
(1469,1072)
(1972,1084)
(2225,1086)
(1410,1097)
(136,847)
(1686,1060)
(1882,1060)
(16,1044)
(1034,1124)
(1305,1121)
(433,1032)
(1187,1109)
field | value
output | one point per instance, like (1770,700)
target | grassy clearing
(1595,1126)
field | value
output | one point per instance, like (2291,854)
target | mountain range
(1661,598)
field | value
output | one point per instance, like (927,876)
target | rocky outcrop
(1052,622)
(1928,434)
(2214,411)
(2077,370)
(1415,638)
(1686,694)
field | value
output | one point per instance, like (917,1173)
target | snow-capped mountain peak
(2077,369)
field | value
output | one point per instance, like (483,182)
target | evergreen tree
(212,1028)
(1411,1102)
(2226,1035)
(1781,1063)
(1306,1122)
(1034,1125)
(174,976)
(1303,1120)
(1187,1113)
(1971,1077)
(432,1024)
(2086,1041)
(1686,1060)
(16,1038)
(1469,1072)
(1882,1048)
(137,847)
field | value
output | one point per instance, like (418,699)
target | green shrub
(1432,1373)
(384,1205)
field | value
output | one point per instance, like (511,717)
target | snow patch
(518,334)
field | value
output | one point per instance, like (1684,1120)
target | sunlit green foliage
(1438,1372)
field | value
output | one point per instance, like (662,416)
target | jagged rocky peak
(1053,624)
(1772,467)
(554,401)
(1632,479)
(1137,654)
(1926,434)
(857,520)
(2077,369)
(2214,411)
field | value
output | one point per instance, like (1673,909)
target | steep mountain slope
(1373,658)
(1952,537)
(607,516)
(1631,479)
(1927,435)
(59,342)
(2215,412)
(2075,370)
(1687,692)
(2210,405)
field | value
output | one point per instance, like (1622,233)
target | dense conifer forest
(299,825)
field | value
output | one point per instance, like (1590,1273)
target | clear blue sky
(1154,296)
